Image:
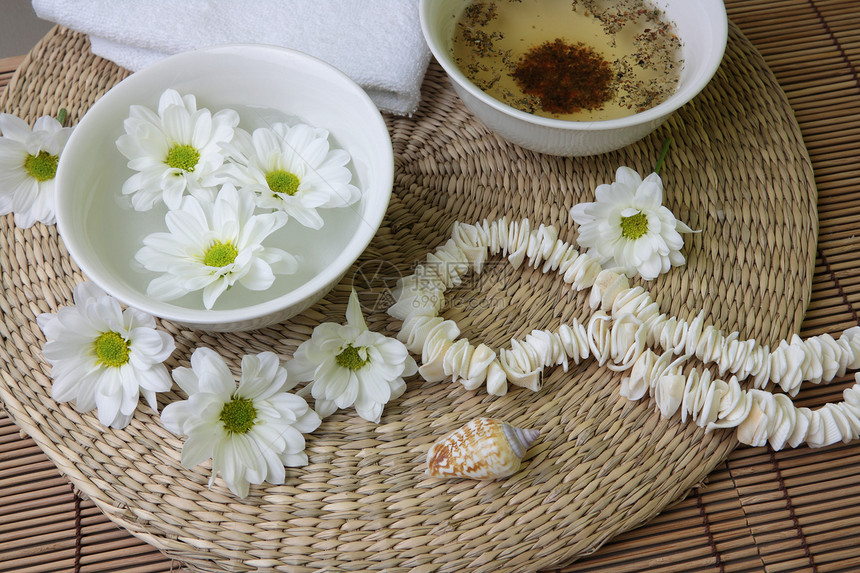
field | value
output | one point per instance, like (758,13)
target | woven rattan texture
(737,170)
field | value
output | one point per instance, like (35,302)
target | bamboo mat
(760,510)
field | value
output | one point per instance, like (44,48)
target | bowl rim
(201,318)
(656,113)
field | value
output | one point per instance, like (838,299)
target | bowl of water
(265,85)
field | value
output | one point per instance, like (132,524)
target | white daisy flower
(174,150)
(28,164)
(291,169)
(104,357)
(629,228)
(214,246)
(250,432)
(350,365)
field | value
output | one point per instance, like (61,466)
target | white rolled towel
(377,43)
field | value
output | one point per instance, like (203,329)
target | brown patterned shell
(485,448)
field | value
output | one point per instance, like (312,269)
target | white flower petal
(14,127)
(186,378)
(651,267)
(308,421)
(354,316)
(627,177)
(181,416)
(150,345)
(108,395)
(212,373)
(369,410)
(372,385)
(173,184)
(130,394)
(212,291)
(156,379)
(259,275)
(325,408)
(224,462)
(67,387)
(300,368)
(197,448)
(275,473)
(262,376)
(331,382)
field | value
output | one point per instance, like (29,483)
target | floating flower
(104,357)
(28,164)
(350,365)
(291,169)
(250,432)
(174,150)
(629,228)
(214,246)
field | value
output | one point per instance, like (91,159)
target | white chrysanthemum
(28,164)
(214,246)
(291,169)
(104,357)
(174,150)
(629,228)
(350,365)
(250,432)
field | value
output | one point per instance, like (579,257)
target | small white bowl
(265,84)
(702,26)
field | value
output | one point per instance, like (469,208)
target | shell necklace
(626,323)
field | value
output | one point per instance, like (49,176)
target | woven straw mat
(737,170)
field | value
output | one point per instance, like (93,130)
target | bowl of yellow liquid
(575,77)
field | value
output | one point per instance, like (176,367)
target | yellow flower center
(350,358)
(282,182)
(634,226)
(41,167)
(238,415)
(183,157)
(111,349)
(220,254)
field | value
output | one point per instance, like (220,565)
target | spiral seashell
(485,448)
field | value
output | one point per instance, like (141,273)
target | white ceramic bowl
(702,27)
(264,84)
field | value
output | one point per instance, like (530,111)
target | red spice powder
(566,78)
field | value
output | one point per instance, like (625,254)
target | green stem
(663,153)
(61,117)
